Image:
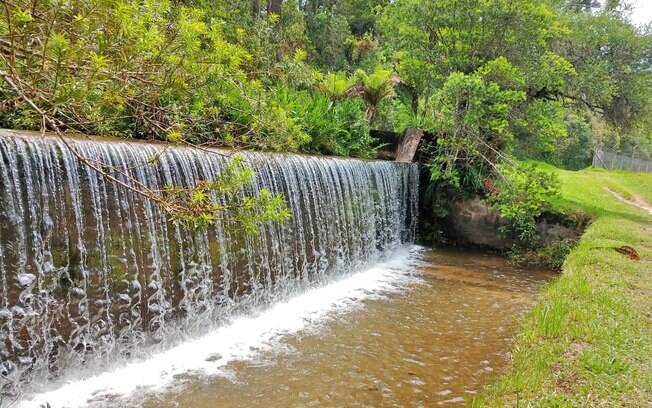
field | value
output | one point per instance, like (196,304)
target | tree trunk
(274,6)
(407,149)
(372,111)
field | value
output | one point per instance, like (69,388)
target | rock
(78,293)
(18,312)
(473,223)
(134,286)
(5,315)
(552,231)
(6,368)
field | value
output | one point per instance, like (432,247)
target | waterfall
(91,272)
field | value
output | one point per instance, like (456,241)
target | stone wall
(473,223)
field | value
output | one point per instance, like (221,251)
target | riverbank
(588,340)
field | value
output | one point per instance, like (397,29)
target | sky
(642,12)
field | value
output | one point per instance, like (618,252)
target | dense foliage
(522,196)
(542,79)
(536,79)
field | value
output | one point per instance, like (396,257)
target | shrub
(521,195)
(137,69)
(337,127)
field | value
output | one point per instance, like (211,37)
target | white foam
(242,339)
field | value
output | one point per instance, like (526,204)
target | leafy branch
(189,205)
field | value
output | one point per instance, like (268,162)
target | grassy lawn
(588,342)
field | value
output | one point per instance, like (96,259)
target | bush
(335,127)
(521,195)
(137,69)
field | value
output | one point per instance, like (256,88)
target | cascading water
(91,272)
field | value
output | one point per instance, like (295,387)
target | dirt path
(635,200)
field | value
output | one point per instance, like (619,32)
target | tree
(361,14)
(329,34)
(374,88)
(613,62)
(431,40)
(470,117)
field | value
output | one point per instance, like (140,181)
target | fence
(610,160)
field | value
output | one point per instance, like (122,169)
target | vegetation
(542,79)
(522,196)
(586,343)
(198,205)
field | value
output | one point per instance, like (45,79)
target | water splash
(91,272)
(242,338)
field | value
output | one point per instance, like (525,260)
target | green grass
(588,341)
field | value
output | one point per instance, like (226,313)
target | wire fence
(610,160)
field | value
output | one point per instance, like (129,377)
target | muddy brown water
(435,344)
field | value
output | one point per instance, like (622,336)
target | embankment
(588,341)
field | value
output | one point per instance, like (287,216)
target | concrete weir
(91,272)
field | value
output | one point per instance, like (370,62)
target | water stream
(422,328)
(438,329)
